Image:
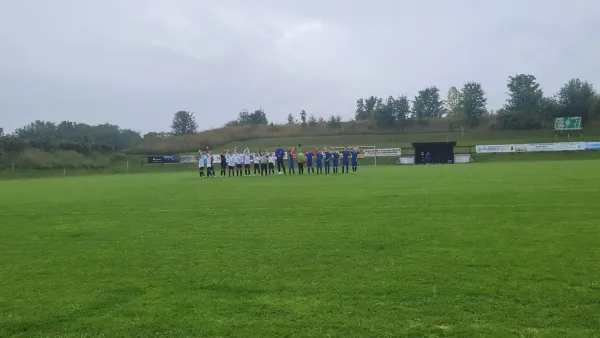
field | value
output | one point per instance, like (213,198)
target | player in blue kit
(327,161)
(291,158)
(336,161)
(279,154)
(309,161)
(354,157)
(345,160)
(319,162)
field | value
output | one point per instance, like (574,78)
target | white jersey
(230,161)
(200,161)
(272,159)
(237,158)
(246,158)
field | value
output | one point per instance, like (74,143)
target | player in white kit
(247,162)
(230,164)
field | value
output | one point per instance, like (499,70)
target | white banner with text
(536,147)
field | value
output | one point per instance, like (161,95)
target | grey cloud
(135,62)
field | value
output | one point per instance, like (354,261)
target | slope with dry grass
(348,133)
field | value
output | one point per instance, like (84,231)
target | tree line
(526,107)
(67,135)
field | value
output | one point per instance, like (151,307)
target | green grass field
(481,250)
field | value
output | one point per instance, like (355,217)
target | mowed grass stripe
(476,250)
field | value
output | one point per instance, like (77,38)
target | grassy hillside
(358,133)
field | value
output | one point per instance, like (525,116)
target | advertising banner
(569,146)
(189,159)
(163,159)
(499,148)
(385,152)
(592,145)
(155,159)
(536,147)
(171,159)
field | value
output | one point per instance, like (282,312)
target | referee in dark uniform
(223,164)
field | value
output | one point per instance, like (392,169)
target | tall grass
(348,133)
(220,137)
(38,159)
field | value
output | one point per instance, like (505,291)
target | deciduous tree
(524,107)
(183,123)
(577,98)
(366,108)
(427,104)
(452,103)
(303,117)
(402,109)
(334,121)
(472,103)
(384,114)
(256,117)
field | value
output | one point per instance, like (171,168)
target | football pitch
(480,250)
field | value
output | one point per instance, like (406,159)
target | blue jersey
(336,158)
(345,155)
(309,158)
(291,158)
(354,156)
(319,158)
(327,156)
(279,153)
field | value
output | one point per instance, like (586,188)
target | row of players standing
(240,164)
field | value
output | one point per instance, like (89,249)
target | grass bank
(359,133)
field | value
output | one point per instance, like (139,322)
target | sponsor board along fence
(536,147)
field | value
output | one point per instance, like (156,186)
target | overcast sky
(136,62)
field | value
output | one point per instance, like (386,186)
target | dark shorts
(239,166)
(247,166)
(271,165)
(230,167)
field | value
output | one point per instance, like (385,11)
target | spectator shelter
(441,152)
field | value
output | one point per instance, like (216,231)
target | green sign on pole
(567,123)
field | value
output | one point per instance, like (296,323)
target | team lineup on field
(262,163)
